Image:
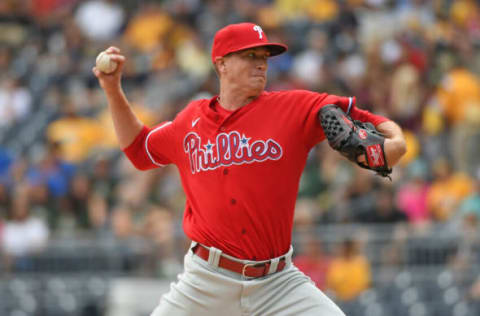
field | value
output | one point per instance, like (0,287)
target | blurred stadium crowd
(63,177)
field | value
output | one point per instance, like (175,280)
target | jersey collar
(213,113)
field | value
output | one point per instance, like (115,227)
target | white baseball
(105,64)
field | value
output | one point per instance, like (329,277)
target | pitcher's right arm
(127,125)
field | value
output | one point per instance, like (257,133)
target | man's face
(246,69)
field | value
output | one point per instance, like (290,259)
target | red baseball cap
(236,37)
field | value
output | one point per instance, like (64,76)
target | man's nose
(262,65)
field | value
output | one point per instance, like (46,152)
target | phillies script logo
(228,149)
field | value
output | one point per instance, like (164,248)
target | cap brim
(274,48)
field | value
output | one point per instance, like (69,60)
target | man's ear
(220,64)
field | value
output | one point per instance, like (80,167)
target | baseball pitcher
(240,156)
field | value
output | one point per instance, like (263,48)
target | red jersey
(240,170)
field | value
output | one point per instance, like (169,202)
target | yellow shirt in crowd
(76,136)
(445,195)
(348,277)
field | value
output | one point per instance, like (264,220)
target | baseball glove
(354,139)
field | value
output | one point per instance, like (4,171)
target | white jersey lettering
(231,148)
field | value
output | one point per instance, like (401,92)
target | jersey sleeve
(153,147)
(314,131)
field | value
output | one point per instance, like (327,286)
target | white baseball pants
(204,289)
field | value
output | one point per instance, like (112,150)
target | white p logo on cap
(259,30)
(235,37)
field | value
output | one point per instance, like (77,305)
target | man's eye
(251,55)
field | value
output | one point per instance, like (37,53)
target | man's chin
(258,84)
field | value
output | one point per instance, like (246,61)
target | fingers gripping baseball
(108,67)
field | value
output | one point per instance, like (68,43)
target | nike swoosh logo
(195,122)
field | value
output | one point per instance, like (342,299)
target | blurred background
(83,233)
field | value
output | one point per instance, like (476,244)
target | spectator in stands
(384,210)
(391,254)
(24,233)
(17,173)
(6,161)
(474,291)
(306,212)
(98,216)
(102,178)
(470,206)
(4,200)
(49,178)
(124,236)
(192,58)
(148,27)
(159,228)
(122,223)
(406,93)
(15,101)
(4,206)
(47,10)
(457,101)
(5,58)
(312,261)
(349,272)
(52,170)
(79,192)
(76,135)
(313,182)
(466,226)
(447,190)
(413,149)
(361,194)
(308,66)
(100,20)
(43,203)
(411,196)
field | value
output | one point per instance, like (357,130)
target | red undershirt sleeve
(348,105)
(313,132)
